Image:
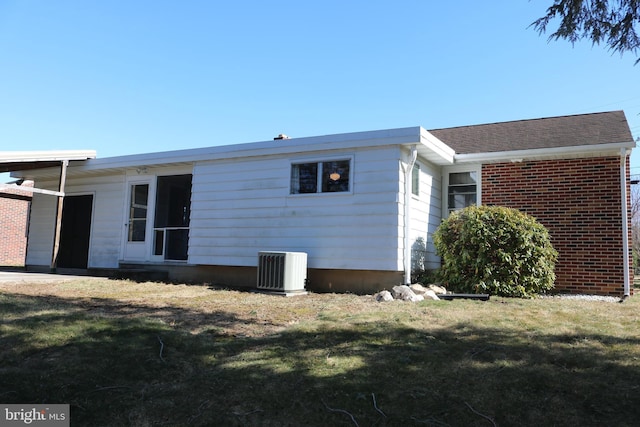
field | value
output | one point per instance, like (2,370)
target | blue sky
(125,77)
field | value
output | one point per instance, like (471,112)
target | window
(138,212)
(320,177)
(415,180)
(462,190)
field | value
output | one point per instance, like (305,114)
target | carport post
(56,234)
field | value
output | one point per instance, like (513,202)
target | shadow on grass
(126,365)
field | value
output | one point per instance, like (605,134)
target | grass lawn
(147,354)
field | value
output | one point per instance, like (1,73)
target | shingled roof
(563,131)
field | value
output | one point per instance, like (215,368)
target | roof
(577,135)
(27,160)
(428,146)
(552,132)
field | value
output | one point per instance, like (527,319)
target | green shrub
(495,250)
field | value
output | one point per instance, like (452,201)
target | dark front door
(74,234)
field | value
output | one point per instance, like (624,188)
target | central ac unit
(282,271)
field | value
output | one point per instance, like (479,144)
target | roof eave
(434,150)
(46,156)
(607,149)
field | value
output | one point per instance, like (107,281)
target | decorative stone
(439,290)
(404,293)
(418,289)
(429,294)
(383,296)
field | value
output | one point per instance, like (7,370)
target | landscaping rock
(429,294)
(418,289)
(383,296)
(439,290)
(404,293)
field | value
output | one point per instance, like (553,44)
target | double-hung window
(331,176)
(462,190)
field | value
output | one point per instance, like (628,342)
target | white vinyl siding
(41,227)
(239,209)
(106,222)
(425,215)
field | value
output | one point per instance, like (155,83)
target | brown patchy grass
(126,353)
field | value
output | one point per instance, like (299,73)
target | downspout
(625,219)
(407,214)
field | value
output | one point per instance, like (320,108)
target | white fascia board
(437,151)
(46,156)
(255,149)
(545,153)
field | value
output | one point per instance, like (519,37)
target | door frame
(151,197)
(91,219)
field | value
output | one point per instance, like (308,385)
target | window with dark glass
(304,178)
(335,176)
(462,191)
(320,177)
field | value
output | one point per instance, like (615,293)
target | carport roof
(26,160)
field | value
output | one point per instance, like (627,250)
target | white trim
(444,155)
(445,184)
(346,141)
(45,156)
(319,160)
(131,180)
(544,153)
(31,190)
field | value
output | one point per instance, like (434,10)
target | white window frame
(418,169)
(320,161)
(477,168)
(149,175)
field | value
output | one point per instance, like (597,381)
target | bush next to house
(495,250)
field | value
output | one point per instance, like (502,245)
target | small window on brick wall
(321,177)
(463,190)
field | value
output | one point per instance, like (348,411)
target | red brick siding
(14,217)
(578,201)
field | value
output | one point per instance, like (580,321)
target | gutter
(543,153)
(625,219)
(407,213)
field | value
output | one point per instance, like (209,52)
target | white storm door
(137,227)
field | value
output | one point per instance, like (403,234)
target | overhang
(611,149)
(27,160)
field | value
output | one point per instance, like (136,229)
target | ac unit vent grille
(282,271)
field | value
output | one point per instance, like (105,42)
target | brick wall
(14,217)
(578,200)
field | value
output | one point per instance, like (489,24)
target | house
(362,206)
(14,223)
